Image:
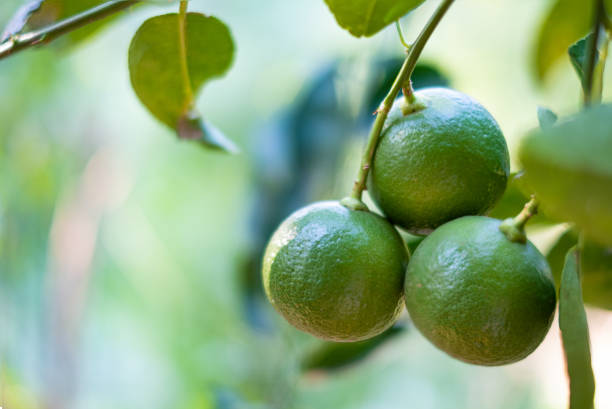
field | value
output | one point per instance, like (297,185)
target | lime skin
(446,160)
(478,296)
(336,273)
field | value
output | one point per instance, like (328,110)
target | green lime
(444,161)
(478,296)
(595,268)
(569,166)
(336,273)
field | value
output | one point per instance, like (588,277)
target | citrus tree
(437,168)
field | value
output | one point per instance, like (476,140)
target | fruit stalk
(402,78)
(47,34)
(514,228)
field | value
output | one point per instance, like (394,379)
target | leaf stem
(590,94)
(403,77)
(400,33)
(182,27)
(47,34)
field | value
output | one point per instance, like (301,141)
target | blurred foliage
(565,23)
(572,176)
(514,199)
(332,355)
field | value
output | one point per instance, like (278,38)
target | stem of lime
(403,78)
(514,227)
(591,94)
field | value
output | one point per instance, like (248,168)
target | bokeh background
(129,260)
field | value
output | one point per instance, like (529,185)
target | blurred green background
(129,260)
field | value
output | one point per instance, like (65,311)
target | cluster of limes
(482,295)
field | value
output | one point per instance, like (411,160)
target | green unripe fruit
(446,160)
(336,273)
(478,296)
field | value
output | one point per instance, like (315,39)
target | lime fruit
(336,273)
(595,268)
(478,296)
(446,160)
(569,166)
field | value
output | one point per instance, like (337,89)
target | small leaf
(155,70)
(578,55)
(546,117)
(575,335)
(192,126)
(20,19)
(368,17)
(334,355)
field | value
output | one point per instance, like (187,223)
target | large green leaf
(368,17)
(566,21)
(575,335)
(155,70)
(569,167)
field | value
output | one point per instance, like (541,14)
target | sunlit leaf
(368,17)
(155,71)
(575,335)
(569,167)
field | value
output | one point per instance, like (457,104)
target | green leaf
(155,71)
(566,21)
(368,17)
(20,19)
(334,355)
(595,268)
(556,254)
(569,168)
(575,335)
(546,117)
(578,55)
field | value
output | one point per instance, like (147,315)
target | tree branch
(47,34)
